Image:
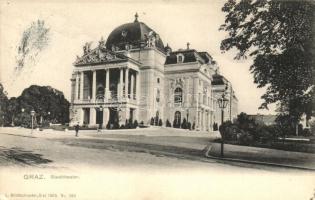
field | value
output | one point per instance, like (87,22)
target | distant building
(133,76)
(264,119)
(219,85)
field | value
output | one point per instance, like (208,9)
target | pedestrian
(77,127)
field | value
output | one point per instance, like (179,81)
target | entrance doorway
(177,120)
(86,116)
(99,118)
(113,121)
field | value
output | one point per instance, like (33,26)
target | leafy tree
(278,35)
(3,105)
(47,102)
(12,110)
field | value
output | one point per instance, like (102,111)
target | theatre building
(134,76)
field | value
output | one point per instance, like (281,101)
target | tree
(12,110)
(278,35)
(3,105)
(47,102)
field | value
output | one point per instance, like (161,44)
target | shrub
(126,124)
(228,130)
(160,122)
(184,124)
(152,121)
(176,124)
(168,123)
(108,125)
(306,132)
(189,125)
(193,126)
(135,124)
(156,120)
(215,126)
(312,127)
(245,138)
(116,125)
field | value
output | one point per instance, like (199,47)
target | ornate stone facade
(133,76)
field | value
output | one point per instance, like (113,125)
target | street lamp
(32,115)
(222,104)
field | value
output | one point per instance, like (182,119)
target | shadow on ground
(132,146)
(21,157)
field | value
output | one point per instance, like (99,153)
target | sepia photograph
(157,100)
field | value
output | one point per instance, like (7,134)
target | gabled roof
(99,55)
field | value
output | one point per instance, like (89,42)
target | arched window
(180,58)
(178,96)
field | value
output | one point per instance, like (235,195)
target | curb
(208,148)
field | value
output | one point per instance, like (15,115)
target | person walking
(77,127)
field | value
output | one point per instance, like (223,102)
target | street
(168,164)
(161,148)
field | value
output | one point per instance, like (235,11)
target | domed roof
(133,34)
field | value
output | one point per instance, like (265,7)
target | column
(81,85)
(121,83)
(94,85)
(107,95)
(105,117)
(132,80)
(76,94)
(92,116)
(81,119)
(138,86)
(127,82)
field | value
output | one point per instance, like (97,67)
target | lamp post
(222,104)
(32,115)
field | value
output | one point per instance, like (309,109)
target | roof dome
(132,35)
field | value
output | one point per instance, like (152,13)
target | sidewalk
(264,156)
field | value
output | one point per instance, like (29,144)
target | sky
(73,23)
